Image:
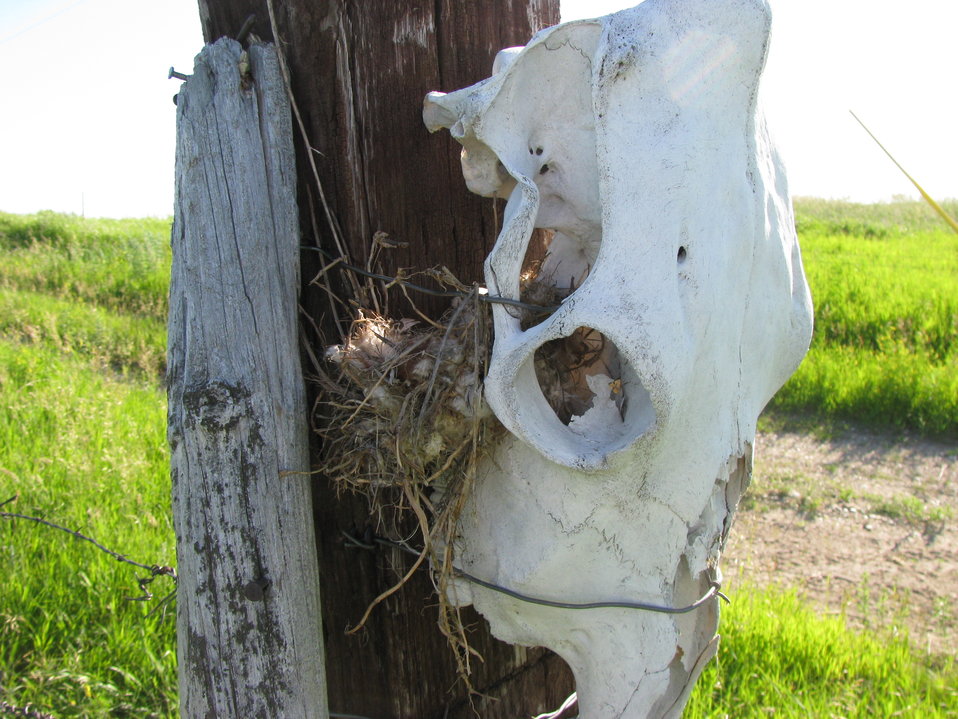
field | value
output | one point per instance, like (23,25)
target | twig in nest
(403,420)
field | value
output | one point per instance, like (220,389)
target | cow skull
(636,140)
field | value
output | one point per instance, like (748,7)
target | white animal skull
(635,137)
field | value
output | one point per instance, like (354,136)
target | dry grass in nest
(403,421)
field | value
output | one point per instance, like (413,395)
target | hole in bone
(582,372)
(682,255)
(538,150)
(553,268)
(561,263)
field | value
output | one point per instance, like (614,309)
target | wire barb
(155,570)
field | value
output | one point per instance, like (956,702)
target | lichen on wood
(237,405)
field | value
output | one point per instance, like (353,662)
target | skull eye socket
(593,389)
(549,275)
(564,366)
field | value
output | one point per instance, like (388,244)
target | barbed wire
(484,296)
(155,570)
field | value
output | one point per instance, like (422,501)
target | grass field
(779,658)
(884,281)
(82,443)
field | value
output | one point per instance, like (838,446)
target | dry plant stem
(337,320)
(442,346)
(425,318)
(333,300)
(327,268)
(451,623)
(424,527)
(284,69)
(921,190)
(389,592)
(448,463)
(306,345)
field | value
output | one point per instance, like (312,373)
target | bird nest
(403,403)
(403,422)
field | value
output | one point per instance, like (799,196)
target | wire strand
(570,700)
(712,593)
(339,262)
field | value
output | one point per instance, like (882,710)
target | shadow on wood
(359,73)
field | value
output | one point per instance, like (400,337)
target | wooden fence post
(359,72)
(248,605)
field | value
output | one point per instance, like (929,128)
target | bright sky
(87,122)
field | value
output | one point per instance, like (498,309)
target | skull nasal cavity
(581,372)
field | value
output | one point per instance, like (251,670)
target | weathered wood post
(358,74)
(248,605)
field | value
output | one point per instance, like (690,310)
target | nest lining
(403,421)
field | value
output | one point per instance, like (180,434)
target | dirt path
(860,521)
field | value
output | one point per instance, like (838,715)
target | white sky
(87,122)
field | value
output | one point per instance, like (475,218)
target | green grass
(780,658)
(82,442)
(121,265)
(910,510)
(901,215)
(118,341)
(884,282)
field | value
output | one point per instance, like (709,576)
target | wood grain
(359,73)
(249,637)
